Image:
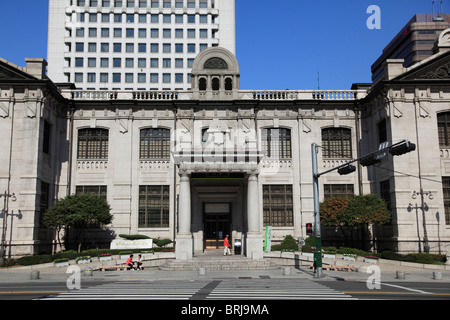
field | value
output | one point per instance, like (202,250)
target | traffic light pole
(396,149)
(317,231)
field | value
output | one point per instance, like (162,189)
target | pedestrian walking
(227,246)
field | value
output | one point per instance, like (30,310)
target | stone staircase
(214,260)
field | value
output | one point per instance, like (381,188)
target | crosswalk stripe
(280,290)
(222,290)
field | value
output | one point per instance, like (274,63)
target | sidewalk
(388,272)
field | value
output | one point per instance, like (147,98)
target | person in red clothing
(130,263)
(227,246)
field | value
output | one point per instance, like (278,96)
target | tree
(356,212)
(79,212)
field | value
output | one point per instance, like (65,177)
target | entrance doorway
(217,224)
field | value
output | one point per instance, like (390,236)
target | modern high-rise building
(134,44)
(414,43)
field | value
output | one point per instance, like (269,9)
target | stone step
(219,263)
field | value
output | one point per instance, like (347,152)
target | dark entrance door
(217,222)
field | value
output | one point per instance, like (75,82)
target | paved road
(219,289)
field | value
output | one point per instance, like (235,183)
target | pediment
(437,68)
(9,71)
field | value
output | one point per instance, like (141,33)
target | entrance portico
(213,204)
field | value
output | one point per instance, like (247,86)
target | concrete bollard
(34,275)
(201,271)
(400,275)
(286,271)
(437,275)
(88,272)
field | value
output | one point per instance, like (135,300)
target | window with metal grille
(99,191)
(44,200)
(443,129)
(337,143)
(155,144)
(446,191)
(385,192)
(154,206)
(47,137)
(276,143)
(278,207)
(338,190)
(93,144)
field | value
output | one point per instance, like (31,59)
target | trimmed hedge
(289,244)
(71,255)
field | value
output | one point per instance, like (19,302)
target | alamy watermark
(374,20)
(74,280)
(374,281)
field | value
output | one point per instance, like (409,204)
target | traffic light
(309,229)
(403,148)
(370,160)
(346,170)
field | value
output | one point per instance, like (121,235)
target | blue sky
(281,44)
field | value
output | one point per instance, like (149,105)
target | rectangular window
(155,144)
(446,191)
(142,47)
(104,62)
(278,210)
(154,206)
(443,129)
(98,191)
(154,78)
(167,63)
(93,144)
(276,143)
(154,63)
(178,78)
(44,199)
(47,137)
(338,190)
(337,143)
(129,62)
(385,192)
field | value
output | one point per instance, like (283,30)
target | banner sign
(132,244)
(268,239)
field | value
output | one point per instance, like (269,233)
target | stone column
(184,242)
(254,235)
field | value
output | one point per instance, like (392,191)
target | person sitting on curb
(130,263)
(139,263)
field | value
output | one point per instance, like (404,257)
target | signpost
(267,239)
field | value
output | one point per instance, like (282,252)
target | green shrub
(162,242)
(288,244)
(331,250)
(133,236)
(30,260)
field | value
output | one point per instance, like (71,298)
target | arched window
(216,84)
(228,84)
(337,143)
(202,84)
(93,144)
(155,144)
(276,143)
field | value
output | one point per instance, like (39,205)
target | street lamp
(5,196)
(424,207)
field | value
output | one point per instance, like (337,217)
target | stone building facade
(195,165)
